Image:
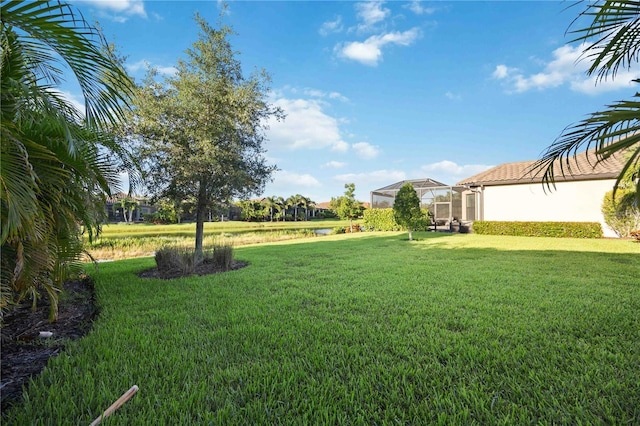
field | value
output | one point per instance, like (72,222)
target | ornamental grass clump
(175,260)
(221,257)
(172,262)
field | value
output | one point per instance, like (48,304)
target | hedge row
(540,229)
(380,220)
(383,220)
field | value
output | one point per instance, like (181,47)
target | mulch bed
(205,268)
(24,353)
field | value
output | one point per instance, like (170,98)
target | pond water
(325,231)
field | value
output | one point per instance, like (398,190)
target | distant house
(113,208)
(513,192)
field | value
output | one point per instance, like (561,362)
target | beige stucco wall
(568,202)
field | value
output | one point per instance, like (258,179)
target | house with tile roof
(515,191)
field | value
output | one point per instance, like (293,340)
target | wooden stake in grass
(119,403)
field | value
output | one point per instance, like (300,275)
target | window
(471,206)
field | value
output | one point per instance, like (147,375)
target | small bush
(621,213)
(540,229)
(636,235)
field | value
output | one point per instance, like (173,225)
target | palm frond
(106,87)
(613,37)
(606,133)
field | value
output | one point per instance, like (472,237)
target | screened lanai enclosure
(444,202)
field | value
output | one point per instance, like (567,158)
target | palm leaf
(613,36)
(106,87)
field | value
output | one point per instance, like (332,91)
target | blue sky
(377,92)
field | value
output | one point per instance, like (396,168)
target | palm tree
(295,202)
(613,37)
(271,203)
(281,207)
(54,165)
(307,203)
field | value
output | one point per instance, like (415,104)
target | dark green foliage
(406,209)
(540,229)
(202,132)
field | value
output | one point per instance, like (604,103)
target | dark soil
(204,268)
(24,353)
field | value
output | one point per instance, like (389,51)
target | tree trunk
(410,235)
(351,225)
(201,213)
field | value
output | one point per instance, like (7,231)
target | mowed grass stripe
(364,329)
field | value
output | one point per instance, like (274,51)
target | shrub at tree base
(539,229)
(176,261)
(636,235)
(222,257)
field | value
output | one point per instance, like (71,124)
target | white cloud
(143,65)
(369,52)
(338,96)
(452,96)
(118,10)
(334,165)
(315,93)
(371,13)
(417,7)
(371,180)
(284,179)
(77,102)
(306,126)
(449,172)
(331,27)
(365,150)
(566,67)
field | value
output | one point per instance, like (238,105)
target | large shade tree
(202,130)
(612,40)
(56,165)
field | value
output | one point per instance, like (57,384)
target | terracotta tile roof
(581,167)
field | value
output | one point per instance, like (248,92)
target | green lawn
(363,329)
